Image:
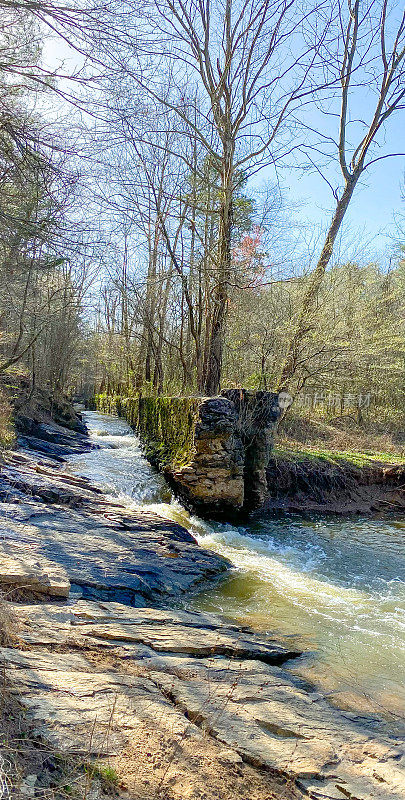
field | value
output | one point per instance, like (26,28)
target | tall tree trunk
(310,297)
(144,368)
(125,326)
(159,373)
(217,333)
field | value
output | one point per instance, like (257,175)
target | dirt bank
(334,486)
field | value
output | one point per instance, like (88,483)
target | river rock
(44,483)
(54,433)
(106,550)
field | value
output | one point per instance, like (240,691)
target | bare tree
(236,72)
(371,60)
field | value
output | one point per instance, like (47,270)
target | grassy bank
(336,466)
(289,451)
(341,441)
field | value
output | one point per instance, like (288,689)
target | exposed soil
(157,766)
(319,486)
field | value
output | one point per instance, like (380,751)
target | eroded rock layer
(96,672)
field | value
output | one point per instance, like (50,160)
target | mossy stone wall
(214,450)
(165,425)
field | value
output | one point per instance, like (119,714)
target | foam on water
(118,467)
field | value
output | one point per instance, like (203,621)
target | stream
(331,586)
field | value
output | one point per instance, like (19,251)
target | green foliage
(165,425)
(105,403)
(205,192)
(106,774)
(108,777)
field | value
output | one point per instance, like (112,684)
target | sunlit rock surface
(106,550)
(170,669)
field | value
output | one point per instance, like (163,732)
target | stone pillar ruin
(258,412)
(232,443)
(213,482)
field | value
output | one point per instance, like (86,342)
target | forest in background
(139,252)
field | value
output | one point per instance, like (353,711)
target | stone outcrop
(50,439)
(95,673)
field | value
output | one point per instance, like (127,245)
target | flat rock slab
(106,550)
(134,558)
(51,439)
(30,573)
(159,672)
(112,625)
(80,709)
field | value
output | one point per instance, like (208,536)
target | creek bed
(332,586)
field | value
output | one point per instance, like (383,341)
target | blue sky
(376,201)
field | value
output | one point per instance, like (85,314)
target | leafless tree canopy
(136,236)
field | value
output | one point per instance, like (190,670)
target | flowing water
(332,586)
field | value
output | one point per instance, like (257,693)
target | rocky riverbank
(160,702)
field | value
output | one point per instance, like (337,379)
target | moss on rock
(165,425)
